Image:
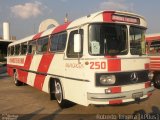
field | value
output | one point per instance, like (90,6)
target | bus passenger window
(32,47)
(42,44)
(23,48)
(54,42)
(154,47)
(58,42)
(12,50)
(62,41)
(17,49)
(9,51)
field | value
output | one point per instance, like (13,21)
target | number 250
(97,65)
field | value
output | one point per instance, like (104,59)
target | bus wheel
(16,81)
(157,81)
(59,96)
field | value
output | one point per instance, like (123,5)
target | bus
(3,54)
(98,59)
(153,50)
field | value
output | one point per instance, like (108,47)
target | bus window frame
(41,38)
(35,52)
(127,37)
(9,51)
(75,55)
(50,43)
(26,50)
(13,51)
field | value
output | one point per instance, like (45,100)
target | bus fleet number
(97,65)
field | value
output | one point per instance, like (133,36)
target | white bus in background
(153,50)
(97,59)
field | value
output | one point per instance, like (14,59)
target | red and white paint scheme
(153,50)
(97,59)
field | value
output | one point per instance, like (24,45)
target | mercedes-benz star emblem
(134,77)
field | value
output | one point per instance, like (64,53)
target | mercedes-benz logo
(134,77)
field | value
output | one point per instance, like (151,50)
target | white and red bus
(153,49)
(97,59)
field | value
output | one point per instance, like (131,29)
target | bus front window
(108,39)
(137,41)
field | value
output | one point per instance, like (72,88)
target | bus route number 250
(97,65)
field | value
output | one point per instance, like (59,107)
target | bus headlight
(107,79)
(150,75)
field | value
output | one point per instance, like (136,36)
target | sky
(25,16)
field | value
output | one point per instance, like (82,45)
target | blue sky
(26,15)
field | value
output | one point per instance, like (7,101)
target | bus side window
(17,49)
(62,41)
(12,50)
(58,42)
(9,51)
(32,47)
(42,44)
(23,48)
(155,47)
(70,48)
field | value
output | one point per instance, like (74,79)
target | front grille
(125,78)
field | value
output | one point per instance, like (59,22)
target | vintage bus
(153,50)
(98,59)
(3,55)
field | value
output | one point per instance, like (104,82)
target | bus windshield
(108,39)
(137,41)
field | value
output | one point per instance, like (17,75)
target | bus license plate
(137,95)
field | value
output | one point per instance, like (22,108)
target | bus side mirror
(77,43)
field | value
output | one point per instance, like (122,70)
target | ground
(28,103)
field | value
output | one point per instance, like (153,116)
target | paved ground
(28,103)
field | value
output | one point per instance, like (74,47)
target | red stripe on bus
(27,64)
(154,58)
(107,16)
(156,65)
(112,102)
(146,66)
(114,65)
(153,38)
(43,68)
(147,84)
(116,89)
(61,28)
(37,36)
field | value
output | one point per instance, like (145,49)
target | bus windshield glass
(108,39)
(137,41)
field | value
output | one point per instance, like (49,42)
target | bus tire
(157,81)
(59,96)
(52,89)
(16,81)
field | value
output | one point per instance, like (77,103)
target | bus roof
(154,36)
(102,16)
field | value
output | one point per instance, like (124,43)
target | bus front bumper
(119,98)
